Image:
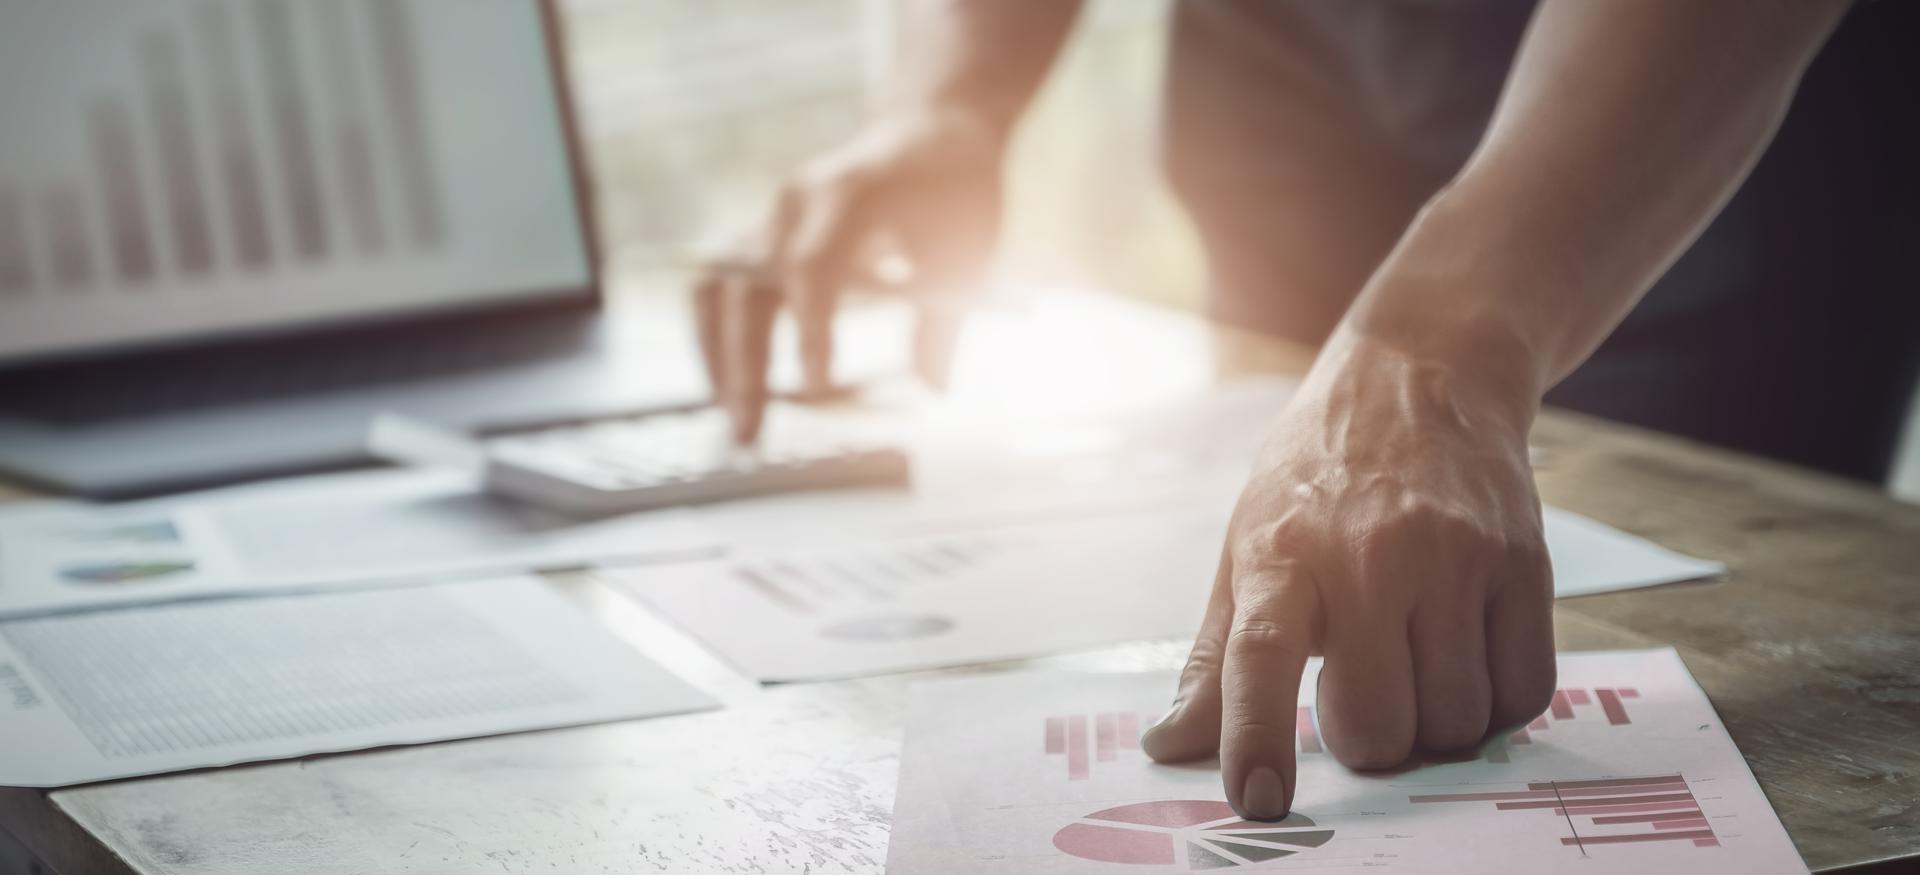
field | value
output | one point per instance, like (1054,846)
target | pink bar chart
(1112,732)
(1659,808)
(1611,700)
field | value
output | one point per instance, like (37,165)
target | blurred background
(692,113)
(695,111)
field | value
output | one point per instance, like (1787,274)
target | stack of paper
(117,693)
(100,689)
(1629,772)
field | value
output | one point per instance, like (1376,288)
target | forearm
(1624,127)
(985,58)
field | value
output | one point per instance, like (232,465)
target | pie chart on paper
(1197,834)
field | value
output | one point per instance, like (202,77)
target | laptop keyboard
(156,384)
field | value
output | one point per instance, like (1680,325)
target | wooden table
(1811,653)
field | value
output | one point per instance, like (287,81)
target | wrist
(914,139)
(1478,387)
(1449,302)
(979,124)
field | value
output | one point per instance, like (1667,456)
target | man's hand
(923,186)
(921,182)
(1392,526)
(1392,523)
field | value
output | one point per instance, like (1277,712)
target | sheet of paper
(362,528)
(138,691)
(1629,772)
(980,594)
(966,596)
(1592,557)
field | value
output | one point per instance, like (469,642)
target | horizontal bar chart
(1575,792)
(1658,808)
(1674,805)
(1638,837)
(1566,787)
(1638,818)
(1610,802)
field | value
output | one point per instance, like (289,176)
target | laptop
(232,232)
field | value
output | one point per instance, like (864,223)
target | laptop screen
(173,168)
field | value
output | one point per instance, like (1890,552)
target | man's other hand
(918,188)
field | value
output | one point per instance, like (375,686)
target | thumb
(1191,730)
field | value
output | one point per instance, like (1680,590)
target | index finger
(815,232)
(1276,610)
(749,303)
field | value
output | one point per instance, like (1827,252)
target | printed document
(361,528)
(1629,772)
(139,691)
(967,596)
(1592,557)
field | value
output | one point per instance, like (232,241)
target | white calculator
(661,459)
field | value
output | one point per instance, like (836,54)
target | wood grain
(1811,651)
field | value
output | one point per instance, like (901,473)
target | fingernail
(1263,796)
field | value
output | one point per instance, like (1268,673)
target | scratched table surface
(1811,653)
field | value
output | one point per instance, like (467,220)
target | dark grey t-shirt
(1303,135)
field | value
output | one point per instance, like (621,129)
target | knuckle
(1373,746)
(1442,523)
(1245,725)
(1258,629)
(1279,535)
(1367,743)
(1263,635)
(1530,553)
(1372,754)
(1534,586)
(1204,656)
(1454,730)
(1518,701)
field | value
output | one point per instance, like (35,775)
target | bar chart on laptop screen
(291,157)
(199,235)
